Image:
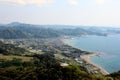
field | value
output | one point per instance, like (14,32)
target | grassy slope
(10,57)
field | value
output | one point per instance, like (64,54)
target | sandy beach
(87,59)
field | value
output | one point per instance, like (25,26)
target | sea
(108,48)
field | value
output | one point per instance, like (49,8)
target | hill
(20,30)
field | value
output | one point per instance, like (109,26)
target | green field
(10,57)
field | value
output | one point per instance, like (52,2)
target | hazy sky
(68,12)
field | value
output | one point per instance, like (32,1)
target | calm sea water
(109,47)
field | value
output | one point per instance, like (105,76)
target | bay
(108,46)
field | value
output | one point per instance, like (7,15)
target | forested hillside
(20,31)
(46,67)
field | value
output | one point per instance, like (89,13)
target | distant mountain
(1,24)
(8,33)
(14,24)
(18,30)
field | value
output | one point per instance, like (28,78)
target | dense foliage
(46,67)
(9,49)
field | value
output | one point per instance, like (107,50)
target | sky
(63,12)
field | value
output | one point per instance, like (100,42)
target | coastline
(65,43)
(87,59)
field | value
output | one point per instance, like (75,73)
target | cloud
(73,2)
(25,2)
(100,1)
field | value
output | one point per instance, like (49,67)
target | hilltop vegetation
(46,67)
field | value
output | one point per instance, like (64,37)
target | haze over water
(109,46)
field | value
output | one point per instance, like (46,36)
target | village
(62,51)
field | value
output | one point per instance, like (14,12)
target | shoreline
(65,43)
(87,59)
